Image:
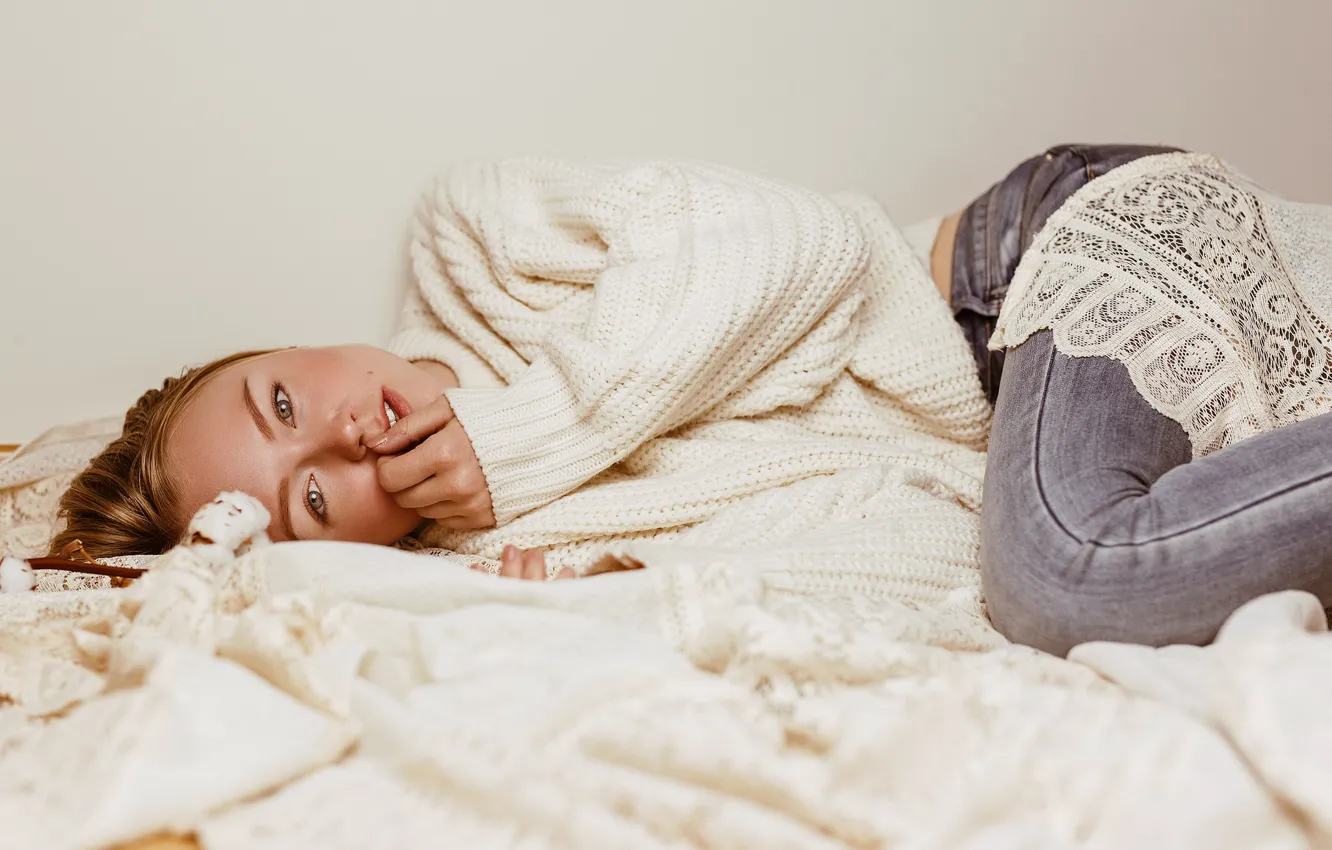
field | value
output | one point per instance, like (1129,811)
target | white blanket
(331,695)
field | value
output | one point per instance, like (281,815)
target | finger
(474,510)
(534,565)
(414,427)
(484,518)
(457,517)
(564,573)
(445,512)
(612,564)
(407,470)
(511,562)
(432,491)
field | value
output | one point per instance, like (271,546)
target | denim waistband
(996,228)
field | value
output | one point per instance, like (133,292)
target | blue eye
(282,406)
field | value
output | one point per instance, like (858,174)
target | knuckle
(445,490)
(445,452)
(439,453)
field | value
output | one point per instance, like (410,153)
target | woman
(1098,523)
(138,494)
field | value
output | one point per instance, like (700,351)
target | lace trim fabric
(31,483)
(1212,292)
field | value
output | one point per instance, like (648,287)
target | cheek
(368,514)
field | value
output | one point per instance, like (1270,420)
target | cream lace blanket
(335,696)
(1213,292)
(31,483)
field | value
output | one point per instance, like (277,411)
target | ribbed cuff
(533,445)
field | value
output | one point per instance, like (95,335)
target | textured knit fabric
(642,349)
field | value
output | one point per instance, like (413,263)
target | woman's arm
(703,278)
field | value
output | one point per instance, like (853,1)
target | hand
(439,475)
(527,564)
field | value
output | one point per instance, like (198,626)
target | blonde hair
(125,502)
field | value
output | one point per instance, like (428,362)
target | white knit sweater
(643,348)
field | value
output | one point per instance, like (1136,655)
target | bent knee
(1053,598)
(1030,602)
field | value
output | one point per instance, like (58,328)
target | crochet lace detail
(31,484)
(1212,292)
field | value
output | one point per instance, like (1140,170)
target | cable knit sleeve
(702,277)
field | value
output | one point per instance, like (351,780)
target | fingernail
(510,551)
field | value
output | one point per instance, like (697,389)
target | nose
(343,436)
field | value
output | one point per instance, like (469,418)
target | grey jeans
(1097,524)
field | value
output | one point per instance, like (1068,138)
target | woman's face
(292,428)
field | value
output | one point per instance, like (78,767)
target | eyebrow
(284,509)
(259,421)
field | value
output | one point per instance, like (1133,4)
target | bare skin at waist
(941,256)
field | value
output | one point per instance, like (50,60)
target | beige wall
(181,179)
